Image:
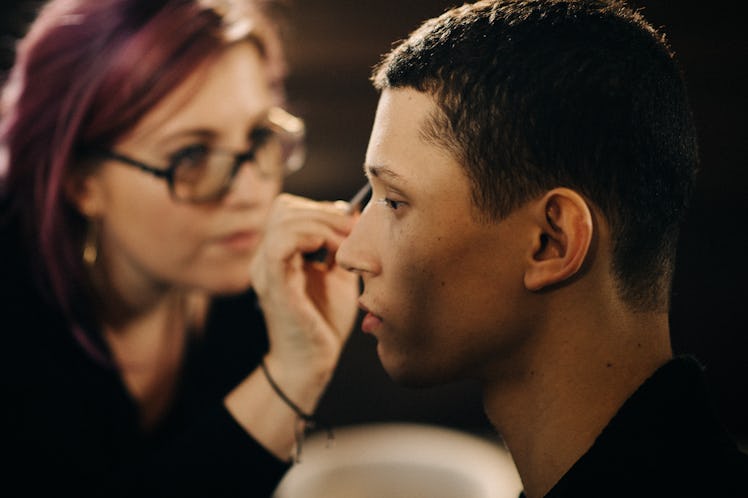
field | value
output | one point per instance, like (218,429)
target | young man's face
(443,290)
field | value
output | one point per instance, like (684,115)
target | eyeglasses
(199,173)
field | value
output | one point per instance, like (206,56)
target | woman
(143,152)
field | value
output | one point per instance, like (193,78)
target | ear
(84,191)
(563,221)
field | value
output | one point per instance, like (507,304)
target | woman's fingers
(298,225)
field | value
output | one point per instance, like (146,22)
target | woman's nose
(251,186)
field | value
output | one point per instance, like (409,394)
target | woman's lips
(240,241)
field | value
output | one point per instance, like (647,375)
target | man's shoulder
(666,440)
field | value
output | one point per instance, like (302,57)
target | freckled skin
(445,313)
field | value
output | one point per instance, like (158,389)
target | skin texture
(438,302)
(527,305)
(161,260)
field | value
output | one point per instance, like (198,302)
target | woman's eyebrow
(208,133)
(191,133)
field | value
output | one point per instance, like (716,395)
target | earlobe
(83,193)
(564,234)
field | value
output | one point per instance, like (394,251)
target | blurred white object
(401,461)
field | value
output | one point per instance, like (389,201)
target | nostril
(345,263)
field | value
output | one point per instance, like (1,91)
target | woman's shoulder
(31,326)
(15,280)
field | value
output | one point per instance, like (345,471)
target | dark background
(332,45)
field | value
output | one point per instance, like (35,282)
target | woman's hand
(309,308)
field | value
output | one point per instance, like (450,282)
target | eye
(390,203)
(191,155)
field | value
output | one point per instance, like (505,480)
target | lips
(240,240)
(371,321)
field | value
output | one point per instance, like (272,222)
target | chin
(228,287)
(414,380)
(409,373)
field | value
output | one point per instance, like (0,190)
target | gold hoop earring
(91,244)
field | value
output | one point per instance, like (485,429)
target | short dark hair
(537,94)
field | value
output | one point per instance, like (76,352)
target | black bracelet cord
(310,421)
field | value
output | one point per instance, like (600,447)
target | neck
(148,349)
(123,294)
(145,322)
(553,406)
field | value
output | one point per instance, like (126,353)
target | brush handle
(318,256)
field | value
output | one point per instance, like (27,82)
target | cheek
(428,339)
(428,264)
(417,292)
(451,305)
(147,227)
(432,302)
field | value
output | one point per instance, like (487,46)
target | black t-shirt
(665,441)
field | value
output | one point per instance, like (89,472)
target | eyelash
(390,203)
(187,151)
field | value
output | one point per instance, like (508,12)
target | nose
(358,252)
(250,186)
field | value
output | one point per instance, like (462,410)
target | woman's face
(149,240)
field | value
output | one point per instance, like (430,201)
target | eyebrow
(200,133)
(383,172)
(259,120)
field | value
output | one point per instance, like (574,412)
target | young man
(531,162)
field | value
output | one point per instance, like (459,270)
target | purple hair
(85,74)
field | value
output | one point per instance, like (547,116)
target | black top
(69,425)
(665,441)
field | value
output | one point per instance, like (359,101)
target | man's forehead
(406,101)
(401,117)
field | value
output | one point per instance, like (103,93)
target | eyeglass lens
(201,174)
